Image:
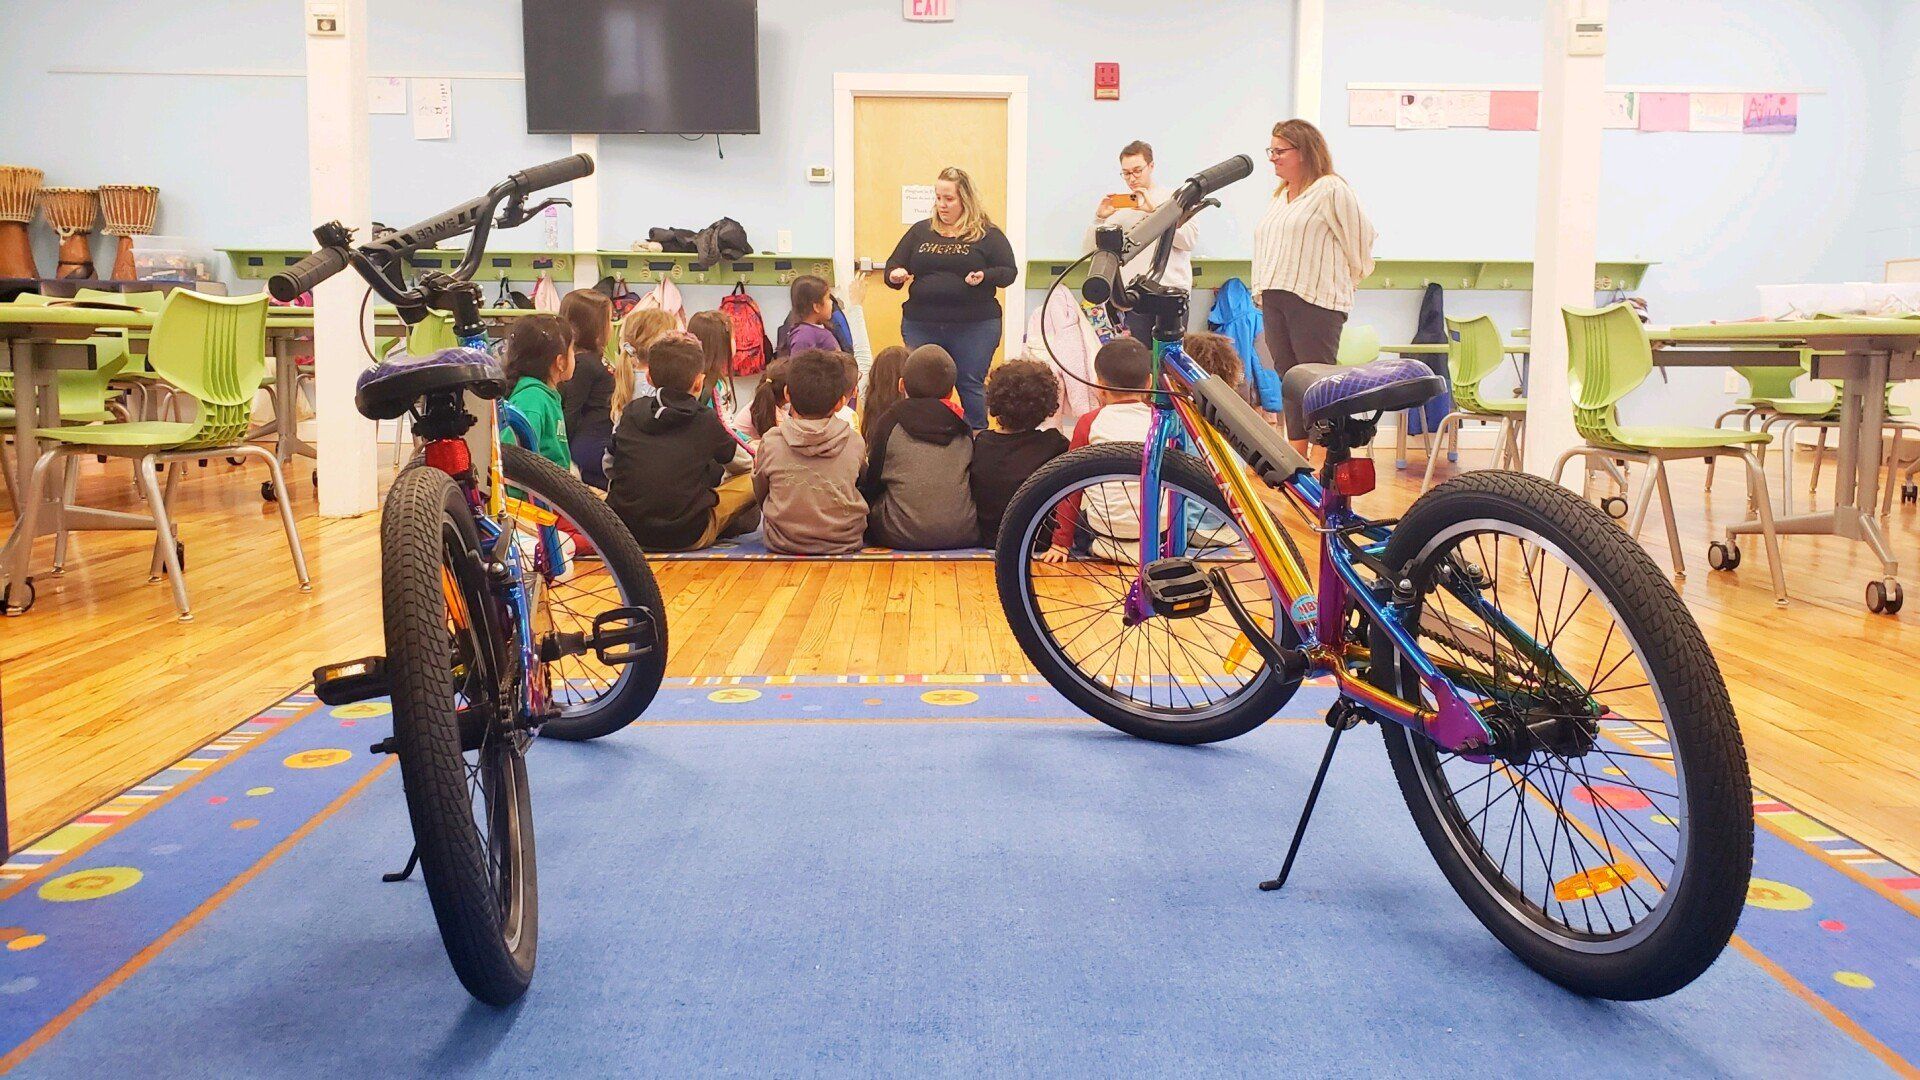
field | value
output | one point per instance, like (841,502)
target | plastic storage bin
(172,258)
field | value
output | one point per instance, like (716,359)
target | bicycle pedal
(354,680)
(623,635)
(384,746)
(1177,589)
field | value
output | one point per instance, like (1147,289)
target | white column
(1309,57)
(586,216)
(1572,101)
(337,179)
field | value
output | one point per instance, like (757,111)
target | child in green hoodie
(539,359)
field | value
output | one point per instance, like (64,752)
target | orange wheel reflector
(1590,883)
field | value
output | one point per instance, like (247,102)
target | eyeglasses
(1275,153)
(1136,171)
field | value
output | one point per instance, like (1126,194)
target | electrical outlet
(784,244)
(1730,382)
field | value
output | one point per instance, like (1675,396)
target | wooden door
(901,141)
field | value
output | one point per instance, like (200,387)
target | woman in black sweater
(586,400)
(953,265)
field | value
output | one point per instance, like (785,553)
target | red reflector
(450,456)
(1353,477)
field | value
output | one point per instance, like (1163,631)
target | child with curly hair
(1021,395)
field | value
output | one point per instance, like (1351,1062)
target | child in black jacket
(665,471)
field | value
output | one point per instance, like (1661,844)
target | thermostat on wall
(1588,37)
(323,19)
(819,174)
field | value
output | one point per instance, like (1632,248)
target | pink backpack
(750,345)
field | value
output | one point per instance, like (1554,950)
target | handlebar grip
(1214,177)
(553,172)
(302,276)
(1103,278)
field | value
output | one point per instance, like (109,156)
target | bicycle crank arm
(1289,664)
(354,680)
(620,636)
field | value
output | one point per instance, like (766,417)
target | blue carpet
(832,884)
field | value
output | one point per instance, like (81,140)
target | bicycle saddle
(1329,392)
(388,389)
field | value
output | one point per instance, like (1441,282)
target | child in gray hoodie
(916,475)
(808,465)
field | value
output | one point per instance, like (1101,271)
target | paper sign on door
(916,203)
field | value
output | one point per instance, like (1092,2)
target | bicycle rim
(567,603)
(1185,669)
(1580,830)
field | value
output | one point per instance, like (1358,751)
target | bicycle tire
(1715,825)
(638,682)
(492,951)
(1030,510)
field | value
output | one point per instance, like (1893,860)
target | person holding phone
(953,266)
(1125,208)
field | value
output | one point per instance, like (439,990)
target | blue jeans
(971,345)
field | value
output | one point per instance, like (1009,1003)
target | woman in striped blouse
(1311,248)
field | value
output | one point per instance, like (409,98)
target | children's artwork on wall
(1514,110)
(1663,112)
(1772,114)
(1468,108)
(1421,110)
(1371,108)
(1716,112)
(1622,110)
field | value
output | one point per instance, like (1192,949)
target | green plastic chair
(212,349)
(1358,345)
(1608,358)
(1475,352)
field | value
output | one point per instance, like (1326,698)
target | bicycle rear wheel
(451,672)
(1608,841)
(1189,679)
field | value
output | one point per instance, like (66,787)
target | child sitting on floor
(539,359)
(587,396)
(883,387)
(1021,395)
(807,470)
(1100,520)
(809,324)
(669,452)
(1216,356)
(638,331)
(916,475)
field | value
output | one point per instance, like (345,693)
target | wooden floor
(101,686)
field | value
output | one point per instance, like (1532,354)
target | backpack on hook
(750,345)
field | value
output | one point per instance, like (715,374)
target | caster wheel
(1722,556)
(236,461)
(1884,598)
(7,601)
(1615,506)
(1910,493)
(267,493)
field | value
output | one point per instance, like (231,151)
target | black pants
(1299,333)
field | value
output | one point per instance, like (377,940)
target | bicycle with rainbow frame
(496,628)
(1554,718)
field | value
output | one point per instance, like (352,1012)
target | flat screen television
(689,67)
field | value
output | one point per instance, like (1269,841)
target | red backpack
(750,345)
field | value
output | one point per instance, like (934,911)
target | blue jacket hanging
(1432,330)
(1238,317)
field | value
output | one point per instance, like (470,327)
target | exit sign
(927,10)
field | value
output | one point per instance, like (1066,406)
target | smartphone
(1123,201)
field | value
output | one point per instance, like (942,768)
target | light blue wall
(1893,212)
(1720,214)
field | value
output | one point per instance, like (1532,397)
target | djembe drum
(128,211)
(18,186)
(71,212)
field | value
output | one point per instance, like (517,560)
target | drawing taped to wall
(1772,114)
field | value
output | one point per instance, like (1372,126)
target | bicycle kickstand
(413,860)
(1341,717)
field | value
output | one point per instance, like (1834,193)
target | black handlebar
(379,261)
(302,276)
(1103,273)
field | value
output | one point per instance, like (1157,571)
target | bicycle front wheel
(451,673)
(1170,678)
(1608,839)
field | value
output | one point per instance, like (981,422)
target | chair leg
(1439,434)
(1819,459)
(1560,466)
(6,476)
(1645,499)
(1789,431)
(28,521)
(1757,487)
(158,566)
(69,489)
(1673,527)
(163,530)
(1892,465)
(285,500)
(1745,413)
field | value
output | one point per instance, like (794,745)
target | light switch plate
(1730,382)
(819,174)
